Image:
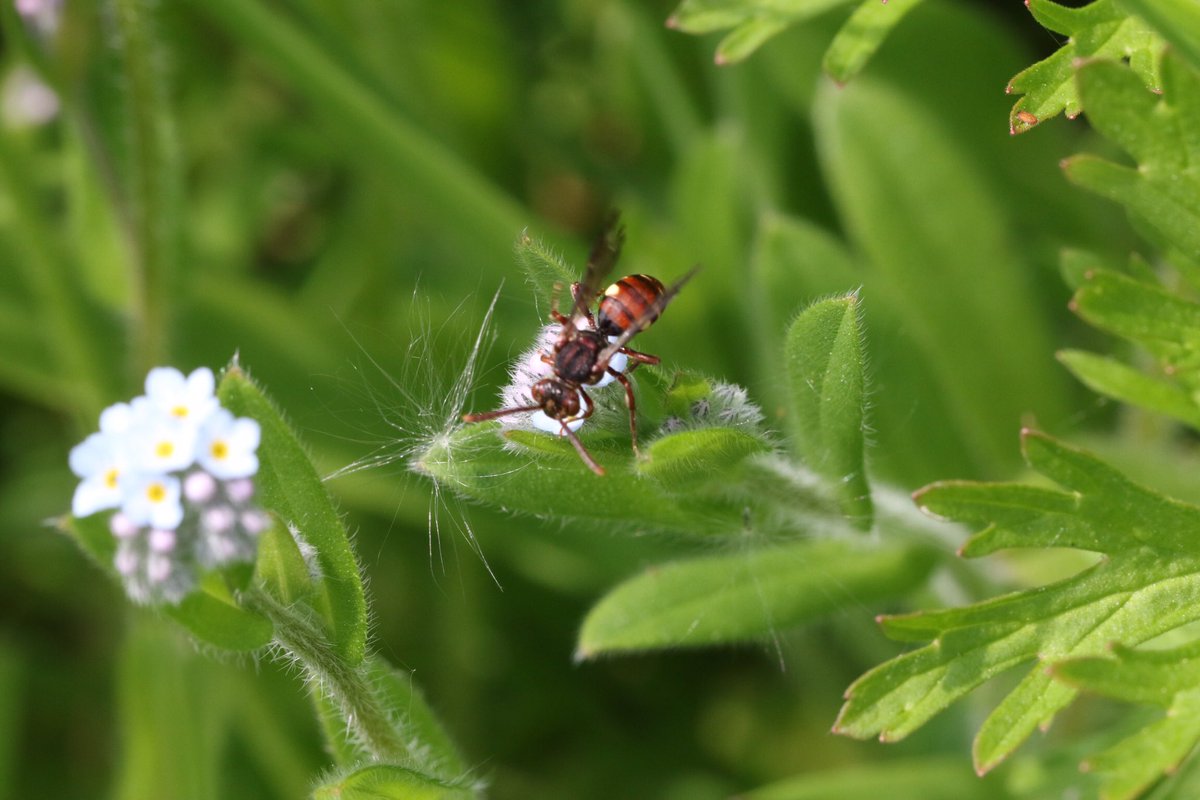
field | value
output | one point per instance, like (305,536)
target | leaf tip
(719,59)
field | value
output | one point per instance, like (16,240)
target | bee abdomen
(627,301)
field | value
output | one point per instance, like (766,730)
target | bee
(592,350)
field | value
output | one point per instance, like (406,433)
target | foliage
(331,191)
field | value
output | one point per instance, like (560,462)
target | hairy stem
(366,715)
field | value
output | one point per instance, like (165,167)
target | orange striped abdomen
(626,302)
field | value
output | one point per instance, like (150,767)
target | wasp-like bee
(589,350)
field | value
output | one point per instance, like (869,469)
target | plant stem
(154,180)
(366,715)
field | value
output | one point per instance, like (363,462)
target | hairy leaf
(289,486)
(389,782)
(1148,584)
(826,368)
(744,596)
(1098,30)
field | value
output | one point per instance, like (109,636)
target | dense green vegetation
(910,283)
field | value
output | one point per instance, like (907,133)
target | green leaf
(545,270)
(215,619)
(862,35)
(389,782)
(689,460)
(826,375)
(1163,193)
(1121,382)
(209,612)
(1169,679)
(543,475)
(754,22)
(1148,585)
(280,565)
(1177,21)
(928,778)
(288,485)
(746,596)
(1097,30)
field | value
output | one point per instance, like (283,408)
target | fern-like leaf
(1148,583)
(1098,30)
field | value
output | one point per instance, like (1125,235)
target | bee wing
(649,315)
(605,252)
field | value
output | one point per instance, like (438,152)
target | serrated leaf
(288,485)
(1177,21)
(389,782)
(753,22)
(1163,193)
(1147,585)
(745,596)
(825,366)
(1122,382)
(862,35)
(1169,679)
(1097,30)
(209,613)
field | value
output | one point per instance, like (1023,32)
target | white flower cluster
(177,467)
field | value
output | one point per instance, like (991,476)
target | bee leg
(582,302)
(629,401)
(638,357)
(583,453)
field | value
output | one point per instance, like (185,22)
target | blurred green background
(332,190)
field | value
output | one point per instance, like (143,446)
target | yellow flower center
(180,411)
(156,492)
(164,449)
(220,450)
(110,478)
